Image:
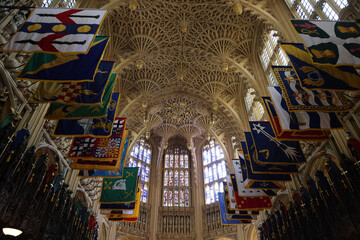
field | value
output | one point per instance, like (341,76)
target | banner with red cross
(87,148)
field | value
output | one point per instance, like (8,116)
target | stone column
(241,233)
(198,192)
(36,123)
(155,200)
(340,140)
(111,235)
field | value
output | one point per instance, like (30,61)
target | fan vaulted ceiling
(183,65)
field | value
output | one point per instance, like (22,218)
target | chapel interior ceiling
(183,66)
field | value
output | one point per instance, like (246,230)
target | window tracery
(321,10)
(46,3)
(140,156)
(214,170)
(63,3)
(176,178)
(275,54)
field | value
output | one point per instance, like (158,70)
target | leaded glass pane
(341,3)
(186,161)
(214,173)
(212,154)
(221,188)
(182,179)
(274,38)
(142,177)
(271,50)
(176,160)
(140,157)
(265,58)
(223,169)
(206,175)
(212,195)
(176,178)
(176,197)
(187,198)
(166,197)
(301,12)
(167,161)
(148,157)
(205,157)
(144,193)
(170,199)
(186,178)
(207,195)
(309,8)
(141,152)
(46,3)
(216,189)
(220,171)
(171,163)
(166,178)
(182,198)
(329,12)
(171,178)
(136,151)
(147,172)
(211,178)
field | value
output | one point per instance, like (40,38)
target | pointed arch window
(176,177)
(140,156)
(214,169)
(321,10)
(46,3)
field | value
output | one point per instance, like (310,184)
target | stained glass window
(330,12)
(176,177)
(171,179)
(187,179)
(182,179)
(176,197)
(166,177)
(182,198)
(140,156)
(320,10)
(206,175)
(214,170)
(46,3)
(187,197)
(68,3)
(341,3)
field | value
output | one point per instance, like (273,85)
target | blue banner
(272,151)
(303,119)
(89,126)
(51,67)
(256,180)
(311,76)
(257,167)
(301,99)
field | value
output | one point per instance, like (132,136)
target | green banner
(120,189)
